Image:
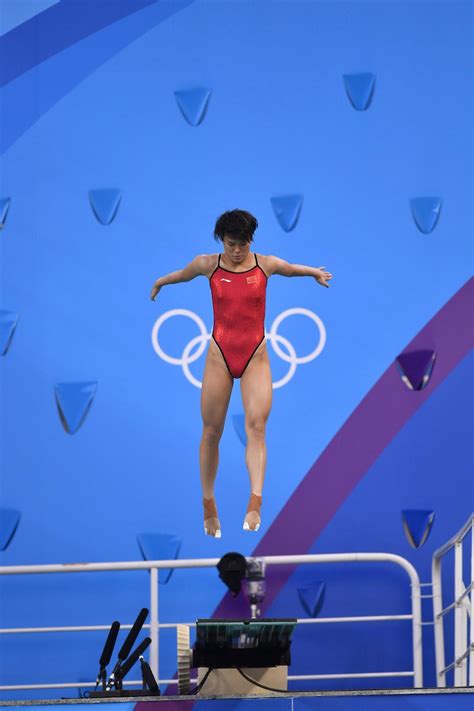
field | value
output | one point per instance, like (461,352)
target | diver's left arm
(275,265)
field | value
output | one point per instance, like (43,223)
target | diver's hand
(154,291)
(322,276)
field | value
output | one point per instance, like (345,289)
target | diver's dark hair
(238,224)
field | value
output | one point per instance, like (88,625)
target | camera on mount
(235,570)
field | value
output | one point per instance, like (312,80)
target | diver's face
(235,250)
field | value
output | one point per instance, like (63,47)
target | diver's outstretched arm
(275,265)
(198,267)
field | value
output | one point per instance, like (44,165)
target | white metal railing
(154,626)
(463,606)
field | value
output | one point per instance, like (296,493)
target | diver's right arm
(201,265)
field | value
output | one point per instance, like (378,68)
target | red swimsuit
(238,299)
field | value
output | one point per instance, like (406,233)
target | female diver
(238,280)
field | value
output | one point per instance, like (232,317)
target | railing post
(460,620)
(154,629)
(438,623)
(416,633)
(471,597)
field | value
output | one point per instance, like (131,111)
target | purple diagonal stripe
(383,412)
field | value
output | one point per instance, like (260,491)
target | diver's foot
(252,518)
(212,526)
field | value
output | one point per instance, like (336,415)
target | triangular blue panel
(426,211)
(9,520)
(160,546)
(360,89)
(287,210)
(8,322)
(193,104)
(312,598)
(4,207)
(415,368)
(74,401)
(239,426)
(105,203)
(417,525)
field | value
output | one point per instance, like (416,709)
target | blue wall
(91,105)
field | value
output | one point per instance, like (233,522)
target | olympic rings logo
(272,336)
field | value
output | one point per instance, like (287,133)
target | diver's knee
(255,427)
(211,435)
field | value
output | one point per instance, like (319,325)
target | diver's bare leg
(215,395)
(256,388)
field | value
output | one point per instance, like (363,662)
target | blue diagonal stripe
(23,104)
(57,28)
